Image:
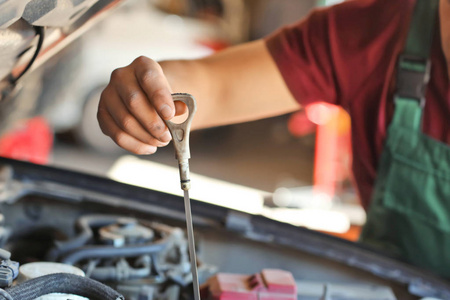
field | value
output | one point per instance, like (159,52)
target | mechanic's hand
(133,104)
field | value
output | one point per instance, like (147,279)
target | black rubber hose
(41,33)
(5,295)
(111,251)
(63,283)
(83,225)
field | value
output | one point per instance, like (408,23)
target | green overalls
(409,214)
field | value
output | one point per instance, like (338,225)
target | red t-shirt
(346,55)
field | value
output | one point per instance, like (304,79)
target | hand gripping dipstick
(180,138)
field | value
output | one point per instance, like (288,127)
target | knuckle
(161,96)
(155,127)
(105,94)
(159,93)
(156,66)
(117,74)
(141,60)
(127,122)
(119,138)
(131,99)
(149,76)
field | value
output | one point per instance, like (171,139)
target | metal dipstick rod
(180,138)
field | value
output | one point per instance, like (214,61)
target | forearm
(236,85)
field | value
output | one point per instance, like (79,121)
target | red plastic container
(270,284)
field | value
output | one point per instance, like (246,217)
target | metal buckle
(413,75)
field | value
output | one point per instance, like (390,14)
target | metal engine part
(56,13)
(141,260)
(17,18)
(13,41)
(38,269)
(9,270)
(127,231)
(32,31)
(11,10)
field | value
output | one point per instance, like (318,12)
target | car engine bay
(133,240)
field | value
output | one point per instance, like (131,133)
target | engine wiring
(40,31)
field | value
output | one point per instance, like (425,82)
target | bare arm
(236,85)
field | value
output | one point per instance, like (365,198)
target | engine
(141,260)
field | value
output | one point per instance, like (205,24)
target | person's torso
(372,109)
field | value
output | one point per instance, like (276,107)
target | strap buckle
(413,75)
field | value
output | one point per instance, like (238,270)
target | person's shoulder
(363,18)
(369,11)
(361,6)
(356,24)
(358,34)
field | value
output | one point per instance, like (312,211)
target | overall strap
(414,65)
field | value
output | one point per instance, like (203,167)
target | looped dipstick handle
(180,138)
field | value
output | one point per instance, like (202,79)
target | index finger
(153,82)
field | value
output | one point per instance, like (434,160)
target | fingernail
(150,150)
(166,137)
(166,111)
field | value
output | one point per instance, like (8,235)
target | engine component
(8,271)
(142,260)
(13,41)
(312,290)
(63,283)
(12,11)
(125,234)
(5,254)
(270,284)
(126,231)
(87,252)
(123,271)
(43,13)
(85,226)
(38,269)
(60,296)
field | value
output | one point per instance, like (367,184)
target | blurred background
(294,168)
